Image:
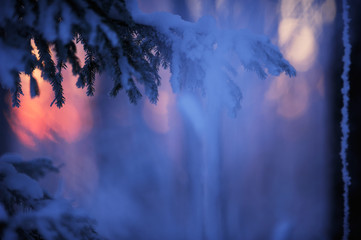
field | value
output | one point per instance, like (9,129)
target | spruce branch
(17,90)
(130,48)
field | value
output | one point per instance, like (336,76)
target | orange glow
(286,29)
(37,125)
(300,26)
(36,120)
(291,96)
(302,50)
(156,116)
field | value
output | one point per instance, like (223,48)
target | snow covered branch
(29,212)
(125,44)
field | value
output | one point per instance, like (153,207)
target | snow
(47,20)
(20,182)
(11,59)
(111,35)
(66,24)
(194,47)
(11,157)
(23,207)
(93,21)
(199,46)
(344,122)
(23,184)
(3,214)
(7,169)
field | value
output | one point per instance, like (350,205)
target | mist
(195,165)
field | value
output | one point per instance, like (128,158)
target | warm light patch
(37,125)
(36,120)
(286,29)
(328,9)
(291,96)
(156,116)
(300,25)
(302,50)
(34,51)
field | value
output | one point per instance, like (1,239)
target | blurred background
(178,170)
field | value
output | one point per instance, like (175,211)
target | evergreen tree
(29,212)
(129,48)
(126,45)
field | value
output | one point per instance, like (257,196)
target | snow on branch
(29,212)
(344,121)
(125,44)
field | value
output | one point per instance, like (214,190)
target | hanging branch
(17,90)
(127,45)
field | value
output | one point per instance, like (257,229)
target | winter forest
(180,119)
